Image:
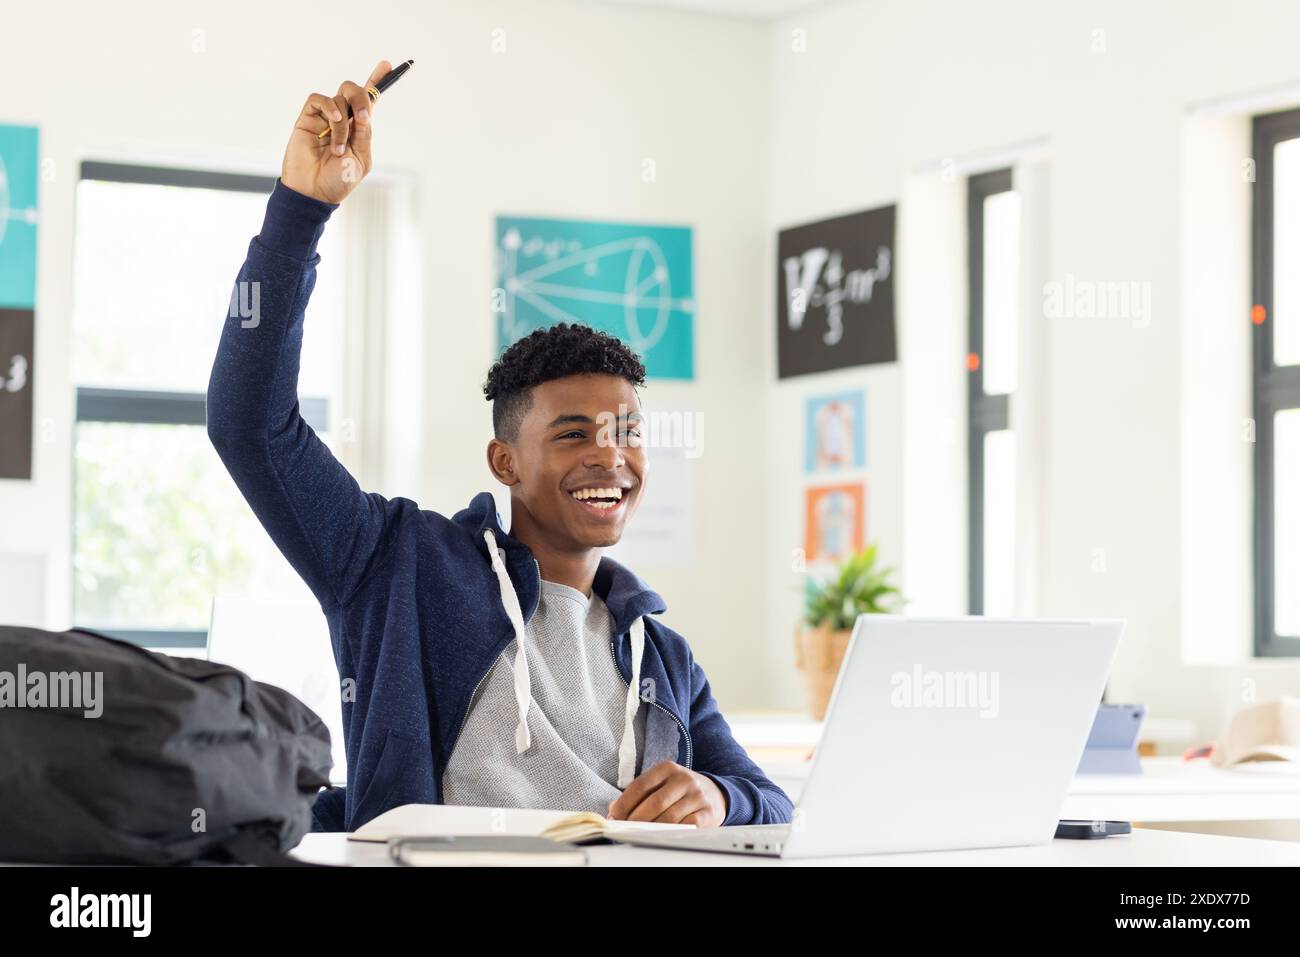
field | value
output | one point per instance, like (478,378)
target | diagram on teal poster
(18,177)
(632,281)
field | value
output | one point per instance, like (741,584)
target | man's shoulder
(424,541)
(407,512)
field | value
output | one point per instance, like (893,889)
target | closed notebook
(421,820)
(492,850)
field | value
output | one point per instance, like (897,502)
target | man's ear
(501,460)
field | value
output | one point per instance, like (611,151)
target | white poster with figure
(662,532)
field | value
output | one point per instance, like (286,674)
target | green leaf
(858,587)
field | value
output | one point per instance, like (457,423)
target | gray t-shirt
(575,718)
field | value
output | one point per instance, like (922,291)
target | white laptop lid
(952,733)
(286,643)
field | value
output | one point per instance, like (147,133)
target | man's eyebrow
(569,418)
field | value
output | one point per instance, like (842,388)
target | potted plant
(830,609)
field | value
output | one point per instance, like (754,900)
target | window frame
(1273,388)
(985,413)
(152,407)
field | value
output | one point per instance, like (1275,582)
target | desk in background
(1260,800)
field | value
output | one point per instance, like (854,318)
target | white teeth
(583,494)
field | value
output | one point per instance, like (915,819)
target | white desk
(1142,848)
(1168,790)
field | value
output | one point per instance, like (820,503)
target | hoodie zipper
(685,734)
(465,720)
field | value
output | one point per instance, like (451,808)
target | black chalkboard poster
(17,337)
(835,293)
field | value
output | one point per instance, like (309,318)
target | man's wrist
(294,222)
(718,786)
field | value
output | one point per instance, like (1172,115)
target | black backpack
(114,754)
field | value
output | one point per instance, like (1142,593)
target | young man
(515,669)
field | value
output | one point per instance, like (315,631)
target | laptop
(941,734)
(286,643)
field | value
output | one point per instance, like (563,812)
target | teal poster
(18,163)
(18,168)
(632,281)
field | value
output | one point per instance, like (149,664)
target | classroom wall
(748,136)
(557,124)
(885,88)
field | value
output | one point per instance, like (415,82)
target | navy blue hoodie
(414,607)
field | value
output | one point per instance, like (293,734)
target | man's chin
(602,539)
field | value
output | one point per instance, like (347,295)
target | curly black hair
(562,350)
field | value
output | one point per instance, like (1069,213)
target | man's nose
(608,456)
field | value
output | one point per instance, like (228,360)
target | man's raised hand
(330,168)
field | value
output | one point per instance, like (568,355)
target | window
(158,523)
(1276,383)
(993,224)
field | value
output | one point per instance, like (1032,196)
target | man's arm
(327,528)
(751,797)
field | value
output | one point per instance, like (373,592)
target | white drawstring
(523,680)
(627,747)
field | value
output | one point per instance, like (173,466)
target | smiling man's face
(576,468)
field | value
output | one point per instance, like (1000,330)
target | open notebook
(426,820)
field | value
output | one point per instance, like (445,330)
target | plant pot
(818,654)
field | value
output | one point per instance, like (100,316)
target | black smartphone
(1087,830)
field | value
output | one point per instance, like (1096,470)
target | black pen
(391,77)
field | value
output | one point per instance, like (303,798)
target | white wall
(557,124)
(748,136)
(888,86)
